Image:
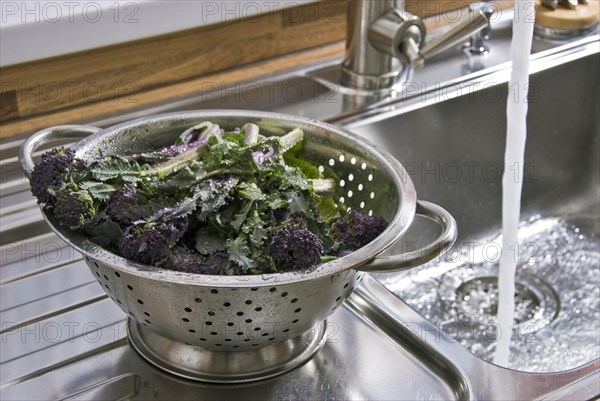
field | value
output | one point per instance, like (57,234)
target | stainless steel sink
(396,337)
(453,151)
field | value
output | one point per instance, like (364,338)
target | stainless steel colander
(243,313)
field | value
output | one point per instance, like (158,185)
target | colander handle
(382,264)
(58,133)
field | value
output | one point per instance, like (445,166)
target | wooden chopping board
(582,17)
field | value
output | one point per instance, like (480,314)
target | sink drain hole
(471,299)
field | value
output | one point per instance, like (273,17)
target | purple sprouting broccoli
(128,205)
(52,171)
(294,248)
(151,242)
(145,245)
(186,260)
(173,230)
(354,230)
(72,208)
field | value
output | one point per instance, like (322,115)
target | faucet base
(351,79)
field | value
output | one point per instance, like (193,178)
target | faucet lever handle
(455,35)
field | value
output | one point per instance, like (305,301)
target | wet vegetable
(214,202)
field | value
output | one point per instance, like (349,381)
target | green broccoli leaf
(99,190)
(239,252)
(106,233)
(297,204)
(208,242)
(250,191)
(213,194)
(119,169)
(310,170)
(240,218)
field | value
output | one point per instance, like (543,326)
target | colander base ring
(205,365)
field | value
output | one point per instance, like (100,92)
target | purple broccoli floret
(354,230)
(186,260)
(50,172)
(145,245)
(294,248)
(173,230)
(151,243)
(127,205)
(73,208)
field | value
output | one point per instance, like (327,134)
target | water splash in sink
(516,113)
(557,298)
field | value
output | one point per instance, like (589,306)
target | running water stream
(516,113)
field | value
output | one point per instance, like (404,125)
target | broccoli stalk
(273,146)
(180,161)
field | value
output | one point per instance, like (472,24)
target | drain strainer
(470,298)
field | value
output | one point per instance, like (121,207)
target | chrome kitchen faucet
(384,42)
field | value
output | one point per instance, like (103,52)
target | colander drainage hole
(188,310)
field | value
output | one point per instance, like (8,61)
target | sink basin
(453,150)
